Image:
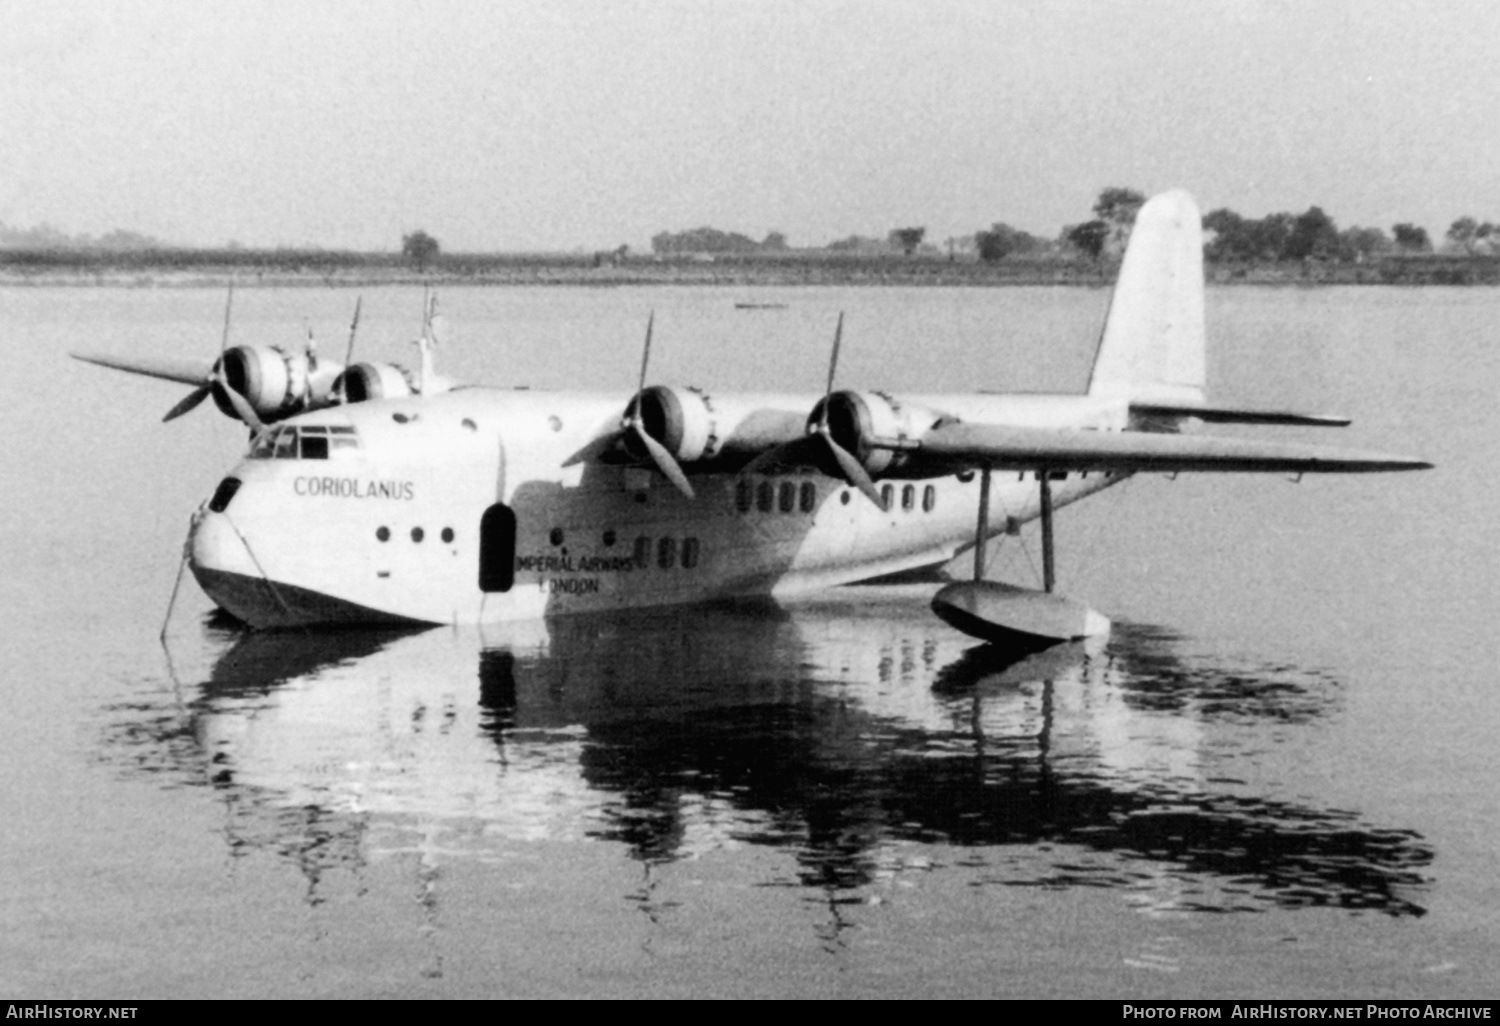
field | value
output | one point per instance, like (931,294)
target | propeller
(197,395)
(216,376)
(338,391)
(634,423)
(852,470)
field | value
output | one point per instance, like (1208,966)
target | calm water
(1276,778)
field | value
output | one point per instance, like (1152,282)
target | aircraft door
(497,548)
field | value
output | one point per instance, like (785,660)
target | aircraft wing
(962,445)
(187,371)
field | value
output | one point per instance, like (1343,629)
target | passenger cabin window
(809,496)
(908,497)
(788,496)
(666,553)
(744,495)
(689,553)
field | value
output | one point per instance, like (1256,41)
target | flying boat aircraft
(372,494)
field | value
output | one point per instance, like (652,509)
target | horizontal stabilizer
(1019,448)
(1230,415)
(188,372)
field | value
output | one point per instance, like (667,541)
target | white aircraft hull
(391,532)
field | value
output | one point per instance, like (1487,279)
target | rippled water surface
(1275,778)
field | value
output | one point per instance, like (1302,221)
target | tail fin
(1152,349)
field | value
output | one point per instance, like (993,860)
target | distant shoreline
(316,270)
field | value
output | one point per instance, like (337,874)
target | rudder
(1152,348)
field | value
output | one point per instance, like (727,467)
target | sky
(585,124)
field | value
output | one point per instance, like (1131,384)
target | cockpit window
(304,441)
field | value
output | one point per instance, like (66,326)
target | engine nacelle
(365,381)
(682,420)
(276,383)
(877,429)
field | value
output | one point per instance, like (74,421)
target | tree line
(1230,237)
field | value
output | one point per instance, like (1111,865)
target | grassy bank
(334,269)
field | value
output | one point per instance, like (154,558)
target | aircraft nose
(214,545)
(225,566)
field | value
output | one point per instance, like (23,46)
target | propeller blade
(854,472)
(353,327)
(833,364)
(188,402)
(646,356)
(339,384)
(241,405)
(598,447)
(664,461)
(228,306)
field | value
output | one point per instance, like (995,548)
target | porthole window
(929,498)
(666,553)
(689,553)
(447,535)
(788,496)
(844,498)
(966,476)
(765,497)
(417,534)
(609,538)
(744,495)
(382,534)
(809,496)
(556,537)
(642,552)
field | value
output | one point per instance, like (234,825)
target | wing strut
(982,529)
(1002,614)
(1049,575)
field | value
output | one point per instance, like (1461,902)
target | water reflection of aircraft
(428,503)
(839,732)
